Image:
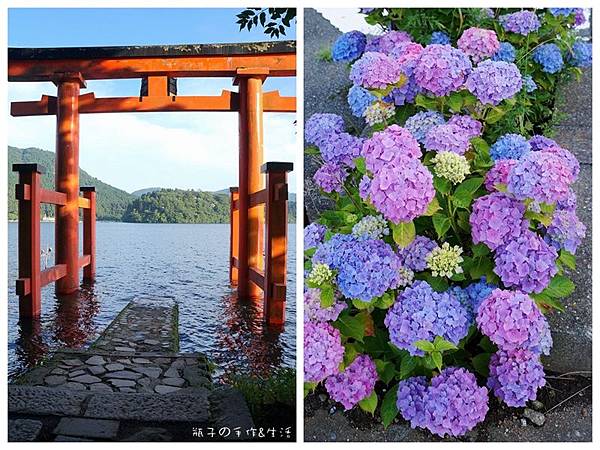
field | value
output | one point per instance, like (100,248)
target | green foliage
(274,21)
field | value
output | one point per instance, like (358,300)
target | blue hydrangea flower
(319,128)
(506,53)
(478,292)
(420,313)
(420,124)
(549,57)
(581,54)
(439,37)
(313,235)
(521,22)
(510,146)
(349,46)
(561,11)
(359,99)
(529,84)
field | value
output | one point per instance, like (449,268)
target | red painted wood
(89,234)
(243,193)
(67,182)
(29,284)
(233,236)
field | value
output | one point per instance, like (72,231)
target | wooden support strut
(89,233)
(275,273)
(233,236)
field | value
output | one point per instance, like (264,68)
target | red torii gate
(159,67)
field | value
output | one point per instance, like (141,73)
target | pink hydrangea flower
(478,43)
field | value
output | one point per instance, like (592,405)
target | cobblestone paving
(129,381)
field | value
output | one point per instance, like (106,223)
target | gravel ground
(567,401)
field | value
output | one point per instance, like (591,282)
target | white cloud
(133,151)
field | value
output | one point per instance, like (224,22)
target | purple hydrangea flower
(388,147)
(506,52)
(569,203)
(414,255)
(349,46)
(539,142)
(387,43)
(402,193)
(494,81)
(498,174)
(420,124)
(512,321)
(478,43)
(410,400)
(521,22)
(313,311)
(314,234)
(541,176)
(353,384)
(409,90)
(319,128)
(515,376)
(579,17)
(471,126)
(549,57)
(364,187)
(581,54)
(341,149)
(565,231)
(366,268)
(375,71)
(448,138)
(442,69)
(526,263)
(330,177)
(420,313)
(509,146)
(452,405)
(323,351)
(568,158)
(439,37)
(358,99)
(497,218)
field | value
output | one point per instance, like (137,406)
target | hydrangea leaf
(311,150)
(433,207)
(360,165)
(426,346)
(455,101)
(385,301)
(442,345)
(389,410)
(437,359)
(481,363)
(309,387)
(327,295)
(351,326)
(403,233)
(369,404)
(560,286)
(441,224)
(567,258)
(425,102)
(547,303)
(494,115)
(480,249)
(407,366)
(441,185)
(385,370)
(463,195)
(350,354)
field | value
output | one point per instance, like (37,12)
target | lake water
(185,261)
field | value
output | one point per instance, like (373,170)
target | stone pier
(131,384)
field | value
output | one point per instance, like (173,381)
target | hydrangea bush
(428,284)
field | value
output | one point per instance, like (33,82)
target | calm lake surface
(184,261)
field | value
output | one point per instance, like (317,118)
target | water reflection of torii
(158,67)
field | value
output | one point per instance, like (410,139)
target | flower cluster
(439,37)
(349,46)
(497,219)
(565,231)
(581,54)
(414,255)
(313,311)
(389,147)
(494,81)
(451,166)
(319,127)
(549,57)
(378,112)
(330,177)
(355,383)
(478,43)
(445,261)
(420,313)
(526,263)
(472,127)
(451,405)
(498,174)
(521,22)
(420,124)
(359,99)
(313,235)
(375,71)
(341,149)
(448,137)
(506,52)
(539,142)
(512,321)
(320,273)
(515,376)
(323,351)
(529,84)
(386,43)
(509,146)
(442,69)
(371,227)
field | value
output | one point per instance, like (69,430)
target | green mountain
(112,202)
(150,205)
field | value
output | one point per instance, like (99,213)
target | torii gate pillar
(67,179)
(251,180)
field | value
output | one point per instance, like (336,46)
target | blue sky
(183,150)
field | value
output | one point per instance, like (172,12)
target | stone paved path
(127,382)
